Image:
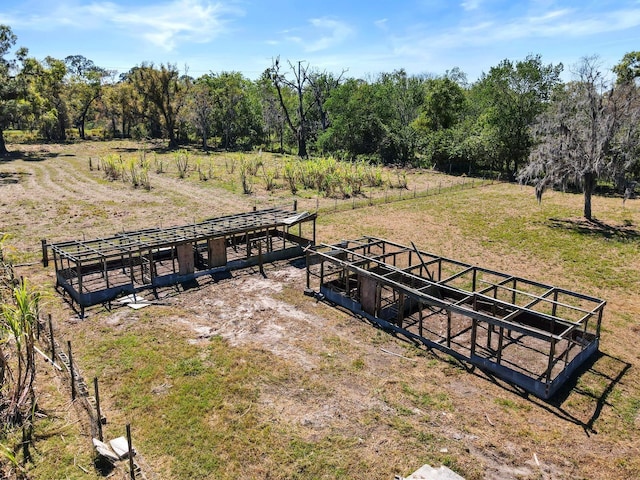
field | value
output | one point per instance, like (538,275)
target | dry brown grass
(308,391)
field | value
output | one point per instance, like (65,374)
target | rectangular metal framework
(528,333)
(98,270)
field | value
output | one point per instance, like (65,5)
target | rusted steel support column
(79,273)
(552,353)
(599,322)
(400,309)
(474,333)
(500,340)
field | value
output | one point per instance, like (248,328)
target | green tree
(442,136)
(12,86)
(356,121)
(511,96)
(628,69)
(47,97)
(235,110)
(120,103)
(84,87)
(165,90)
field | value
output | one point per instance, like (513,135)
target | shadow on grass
(11,178)
(601,369)
(27,156)
(595,228)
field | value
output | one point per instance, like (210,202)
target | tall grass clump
(246,177)
(181,159)
(331,177)
(269,174)
(158,163)
(291,173)
(112,166)
(230,165)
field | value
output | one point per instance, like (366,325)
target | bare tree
(201,111)
(584,133)
(297,85)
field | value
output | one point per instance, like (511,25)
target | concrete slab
(426,472)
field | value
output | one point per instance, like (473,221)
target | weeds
(158,163)
(230,165)
(205,172)
(112,166)
(131,170)
(269,175)
(246,177)
(181,159)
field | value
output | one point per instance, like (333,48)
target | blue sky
(365,37)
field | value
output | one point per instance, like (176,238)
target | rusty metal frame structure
(99,270)
(530,334)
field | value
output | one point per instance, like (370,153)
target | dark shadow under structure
(527,333)
(99,270)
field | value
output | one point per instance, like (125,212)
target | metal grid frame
(98,270)
(408,290)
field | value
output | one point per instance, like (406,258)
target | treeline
(440,121)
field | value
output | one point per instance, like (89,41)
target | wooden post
(71,372)
(314,231)
(45,253)
(295,205)
(53,343)
(96,393)
(131,466)
(260,265)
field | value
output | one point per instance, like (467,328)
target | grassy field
(248,378)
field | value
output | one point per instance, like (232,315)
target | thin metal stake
(131,469)
(96,393)
(53,345)
(71,373)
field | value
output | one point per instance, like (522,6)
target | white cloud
(336,33)
(164,25)
(382,24)
(559,24)
(471,4)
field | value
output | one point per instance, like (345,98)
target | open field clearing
(245,377)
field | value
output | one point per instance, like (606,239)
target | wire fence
(376,197)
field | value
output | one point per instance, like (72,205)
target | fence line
(80,390)
(393,195)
